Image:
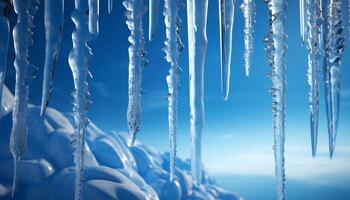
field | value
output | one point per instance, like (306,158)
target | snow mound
(113,170)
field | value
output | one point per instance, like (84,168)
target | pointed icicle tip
(43,108)
(331,150)
(16,163)
(132,139)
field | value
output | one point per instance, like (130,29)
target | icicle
(4,40)
(173,45)
(303,24)
(22,36)
(94,12)
(134,12)
(276,49)
(334,51)
(110,6)
(313,45)
(226,17)
(197,47)
(54,11)
(86,30)
(153,18)
(248,9)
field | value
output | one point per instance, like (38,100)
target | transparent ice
(172,49)
(276,49)
(197,47)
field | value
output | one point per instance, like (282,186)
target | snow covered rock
(113,170)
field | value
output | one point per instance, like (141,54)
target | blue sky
(238,134)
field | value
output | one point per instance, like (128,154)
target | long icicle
(86,30)
(276,49)
(54,15)
(22,36)
(173,45)
(134,12)
(4,41)
(248,9)
(313,46)
(197,46)
(334,52)
(226,18)
(153,18)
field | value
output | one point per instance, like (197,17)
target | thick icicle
(54,10)
(334,51)
(197,48)
(110,6)
(276,49)
(248,9)
(172,47)
(314,48)
(226,18)
(4,40)
(153,18)
(85,17)
(22,36)
(134,12)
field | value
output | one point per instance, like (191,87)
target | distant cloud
(102,89)
(226,136)
(300,165)
(154,100)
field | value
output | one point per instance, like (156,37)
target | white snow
(112,169)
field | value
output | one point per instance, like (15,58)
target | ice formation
(197,48)
(312,42)
(54,15)
(320,37)
(334,50)
(226,18)
(248,9)
(153,18)
(137,61)
(4,35)
(22,36)
(86,29)
(276,49)
(172,48)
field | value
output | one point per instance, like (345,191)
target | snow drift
(112,169)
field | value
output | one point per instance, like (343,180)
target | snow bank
(113,170)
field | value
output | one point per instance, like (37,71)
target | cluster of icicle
(22,36)
(276,50)
(324,40)
(322,36)
(87,29)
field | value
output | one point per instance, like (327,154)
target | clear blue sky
(238,134)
